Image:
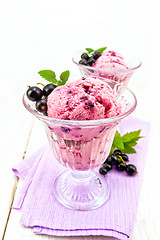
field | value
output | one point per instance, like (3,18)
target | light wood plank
(8,179)
(15,126)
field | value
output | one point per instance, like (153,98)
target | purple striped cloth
(41,211)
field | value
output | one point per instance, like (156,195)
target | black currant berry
(117,152)
(90,61)
(48,89)
(131,169)
(109,160)
(115,159)
(84,56)
(107,166)
(83,62)
(34,93)
(96,55)
(103,171)
(121,166)
(124,157)
(41,105)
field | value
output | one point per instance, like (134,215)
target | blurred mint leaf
(117,134)
(89,50)
(129,136)
(130,143)
(117,141)
(128,149)
(126,142)
(49,75)
(100,49)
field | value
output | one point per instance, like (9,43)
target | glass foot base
(81,190)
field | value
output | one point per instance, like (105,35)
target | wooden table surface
(25,49)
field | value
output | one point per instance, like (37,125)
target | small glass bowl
(118,75)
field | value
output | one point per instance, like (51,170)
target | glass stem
(81,175)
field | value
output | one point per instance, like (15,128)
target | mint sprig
(91,50)
(127,142)
(63,78)
(50,76)
(100,49)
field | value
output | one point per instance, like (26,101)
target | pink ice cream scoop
(110,60)
(84,99)
(107,65)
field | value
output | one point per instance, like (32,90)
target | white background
(36,35)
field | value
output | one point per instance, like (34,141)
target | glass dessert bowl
(82,146)
(117,74)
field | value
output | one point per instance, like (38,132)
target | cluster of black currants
(89,60)
(39,96)
(118,159)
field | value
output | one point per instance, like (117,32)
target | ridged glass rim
(139,63)
(83,122)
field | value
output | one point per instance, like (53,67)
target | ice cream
(110,60)
(84,99)
(82,147)
(107,65)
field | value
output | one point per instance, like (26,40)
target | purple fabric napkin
(41,211)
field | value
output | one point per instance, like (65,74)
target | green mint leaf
(131,135)
(129,150)
(64,76)
(117,134)
(126,138)
(118,143)
(126,142)
(136,138)
(49,75)
(133,142)
(59,83)
(130,144)
(89,50)
(100,49)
